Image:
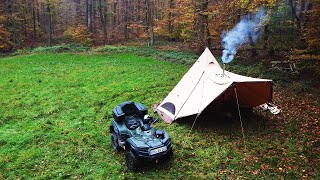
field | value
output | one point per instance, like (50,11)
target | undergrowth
(168,55)
(53,49)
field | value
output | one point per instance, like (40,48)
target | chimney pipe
(224,67)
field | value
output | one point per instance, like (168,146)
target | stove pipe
(224,67)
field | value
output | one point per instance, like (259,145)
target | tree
(5,44)
(149,20)
(125,28)
(312,27)
(89,16)
(102,13)
(49,23)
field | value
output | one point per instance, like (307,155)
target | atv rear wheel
(133,162)
(114,142)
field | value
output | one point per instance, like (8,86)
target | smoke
(241,33)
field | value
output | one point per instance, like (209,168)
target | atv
(131,131)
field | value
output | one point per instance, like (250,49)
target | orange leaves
(79,35)
(5,43)
(178,20)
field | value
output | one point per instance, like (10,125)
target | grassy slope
(55,111)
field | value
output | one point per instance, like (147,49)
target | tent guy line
(240,118)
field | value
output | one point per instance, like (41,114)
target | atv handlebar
(154,121)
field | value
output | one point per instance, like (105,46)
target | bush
(174,56)
(5,44)
(53,49)
(78,35)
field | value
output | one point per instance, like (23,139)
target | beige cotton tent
(205,83)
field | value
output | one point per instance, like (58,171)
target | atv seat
(128,108)
(131,122)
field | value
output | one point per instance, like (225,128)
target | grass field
(55,112)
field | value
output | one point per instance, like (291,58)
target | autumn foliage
(291,24)
(312,30)
(5,43)
(79,35)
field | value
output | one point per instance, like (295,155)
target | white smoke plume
(239,35)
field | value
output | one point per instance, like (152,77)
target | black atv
(131,131)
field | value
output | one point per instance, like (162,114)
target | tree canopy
(292,24)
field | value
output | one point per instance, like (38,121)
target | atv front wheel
(114,142)
(133,162)
(167,157)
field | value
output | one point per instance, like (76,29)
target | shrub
(53,49)
(174,56)
(5,44)
(79,35)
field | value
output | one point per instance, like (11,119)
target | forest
(291,25)
(65,64)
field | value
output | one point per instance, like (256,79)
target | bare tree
(150,22)
(89,15)
(126,33)
(49,23)
(102,13)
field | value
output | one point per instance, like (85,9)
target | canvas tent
(205,83)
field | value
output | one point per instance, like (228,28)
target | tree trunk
(170,25)
(89,16)
(126,34)
(38,19)
(78,11)
(114,16)
(14,25)
(87,7)
(24,24)
(298,14)
(94,27)
(251,42)
(150,23)
(49,23)
(103,21)
(201,20)
(266,37)
(34,20)
(204,33)
(206,18)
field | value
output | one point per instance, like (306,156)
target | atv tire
(133,162)
(114,142)
(167,157)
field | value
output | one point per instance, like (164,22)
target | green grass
(55,112)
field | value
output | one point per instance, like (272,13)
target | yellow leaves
(180,20)
(79,35)
(5,43)
(251,6)
(312,29)
(244,3)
